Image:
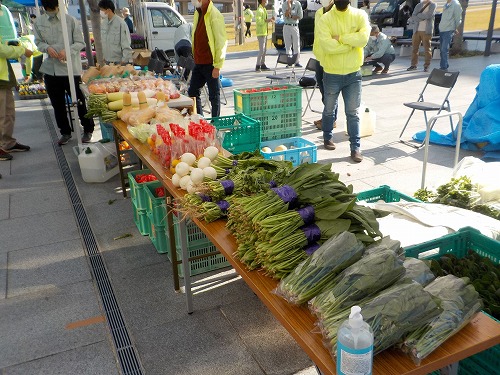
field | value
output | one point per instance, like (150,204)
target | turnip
(184,181)
(188,158)
(182,169)
(211,152)
(197,176)
(190,188)
(210,173)
(176,179)
(204,162)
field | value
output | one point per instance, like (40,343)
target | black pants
(248,32)
(57,88)
(202,73)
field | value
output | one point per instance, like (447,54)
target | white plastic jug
(97,164)
(367,121)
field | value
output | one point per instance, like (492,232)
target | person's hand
(28,52)
(215,73)
(52,53)
(62,55)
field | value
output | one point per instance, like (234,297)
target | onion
(204,162)
(184,181)
(211,152)
(176,179)
(188,158)
(280,148)
(210,173)
(266,149)
(197,176)
(182,169)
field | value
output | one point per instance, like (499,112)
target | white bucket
(97,164)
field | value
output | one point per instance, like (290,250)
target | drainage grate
(127,353)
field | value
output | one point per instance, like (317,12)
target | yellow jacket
(344,56)
(216,32)
(317,51)
(8,52)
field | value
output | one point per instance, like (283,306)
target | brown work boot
(356,156)
(329,145)
(318,123)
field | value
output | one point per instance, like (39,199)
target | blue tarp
(481,122)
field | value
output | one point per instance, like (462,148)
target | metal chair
(312,66)
(289,61)
(439,78)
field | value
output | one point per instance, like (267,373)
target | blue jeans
(202,73)
(350,86)
(444,47)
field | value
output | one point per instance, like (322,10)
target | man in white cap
(127,19)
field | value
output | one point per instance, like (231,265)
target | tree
(457,46)
(95,20)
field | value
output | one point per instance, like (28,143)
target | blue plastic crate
(106,130)
(299,151)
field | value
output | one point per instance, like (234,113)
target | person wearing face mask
(292,11)
(379,50)
(261,21)
(326,6)
(115,35)
(422,21)
(342,34)
(49,40)
(209,41)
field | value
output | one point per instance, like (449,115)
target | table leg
(171,238)
(185,265)
(120,165)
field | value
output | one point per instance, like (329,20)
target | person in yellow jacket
(261,21)
(248,16)
(28,41)
(343,32)
(209,41)
(326,6)
(8,81)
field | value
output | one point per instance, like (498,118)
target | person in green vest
(261,22)
(248,15)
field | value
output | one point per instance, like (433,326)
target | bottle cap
(355,318)
(367,109)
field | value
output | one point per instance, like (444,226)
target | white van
(157,23)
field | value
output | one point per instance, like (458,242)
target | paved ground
(51,317)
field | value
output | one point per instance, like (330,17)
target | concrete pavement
(51,312)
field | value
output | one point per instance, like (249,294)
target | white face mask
(196,3)
(325,3)
(103,14)
(373,37)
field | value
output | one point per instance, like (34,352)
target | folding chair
(312,66)
(183,64)
(289,61)
(440,78)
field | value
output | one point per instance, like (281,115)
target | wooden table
(482,333)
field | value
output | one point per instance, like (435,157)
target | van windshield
(384,6)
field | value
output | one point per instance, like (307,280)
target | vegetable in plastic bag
(418,270)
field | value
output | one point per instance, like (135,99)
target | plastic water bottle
(367,122)
(355,345)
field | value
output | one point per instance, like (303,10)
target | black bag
(307,82)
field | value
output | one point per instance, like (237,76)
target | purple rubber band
(273,184)
(311,248)
(223,205)
(307,214)
(228,186)
(287,195)
(205,198)
(235,163)
(312,233)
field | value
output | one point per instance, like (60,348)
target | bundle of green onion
(459,301)
(309,278)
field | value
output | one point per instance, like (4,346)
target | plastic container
(299,151)
(141,220)
(106,130)
(138,192)
(97,163)
(279,124)
(384,193)
(367,122)
(241,133)
(355,345)
(286,98)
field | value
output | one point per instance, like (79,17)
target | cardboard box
(141,57)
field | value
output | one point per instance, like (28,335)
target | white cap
(355,318)
(125,11)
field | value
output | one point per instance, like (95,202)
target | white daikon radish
(210,173)
(197,176)
(184,181)
(182,169)
(204,162)
(188,158)
(211,152)
(176,179)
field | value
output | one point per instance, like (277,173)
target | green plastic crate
(195,236)
(241,133)
(159,237)
(202,265)
(287,98)
(386,194)
(458,244)
(138,192)
(106,130)
(141,220)
(157,209)
(278,124)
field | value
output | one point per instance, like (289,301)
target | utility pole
(239,37)
(86,35)
(487,50)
